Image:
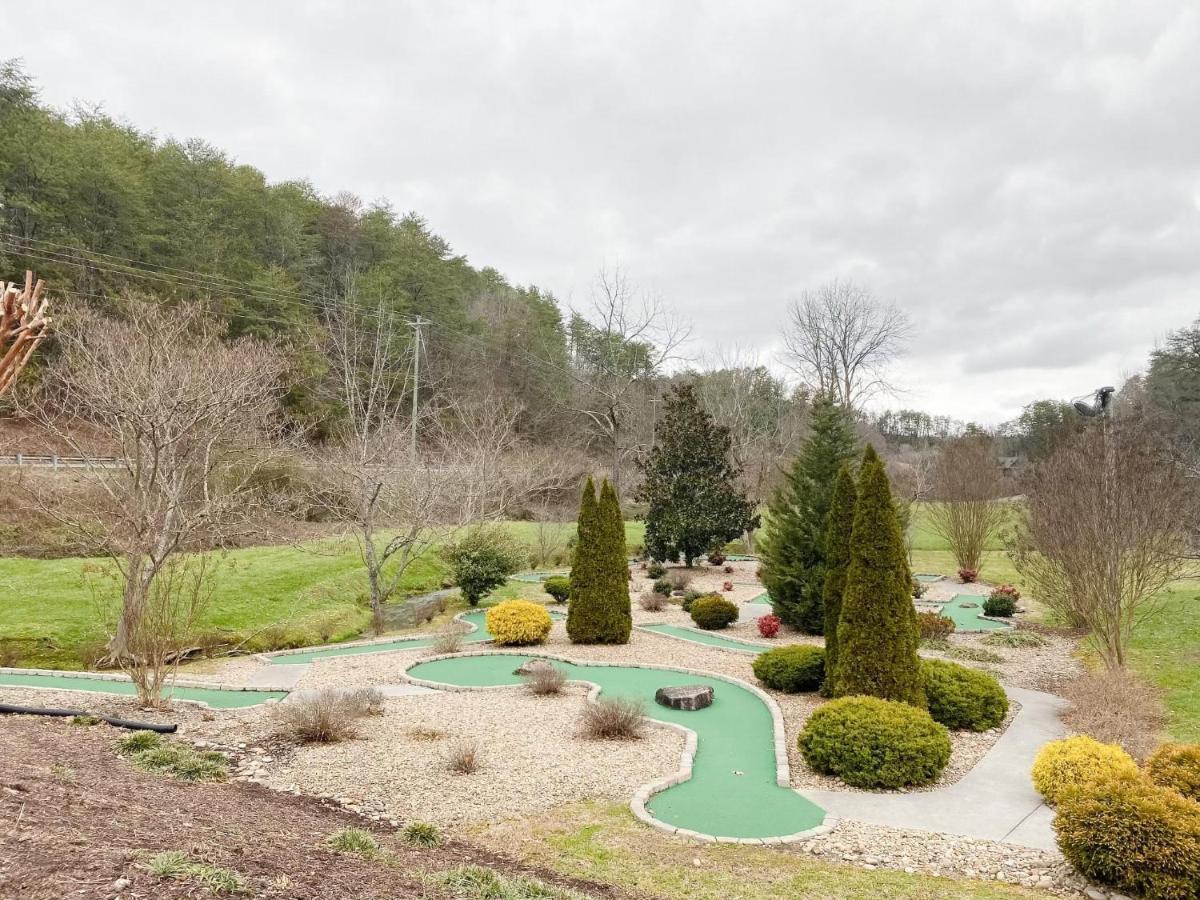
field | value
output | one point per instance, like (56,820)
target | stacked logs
(23,325)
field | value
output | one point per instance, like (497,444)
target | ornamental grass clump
(962,698)
(1066,765)
(518,623)
(619,719)
(875,744)
(791,669)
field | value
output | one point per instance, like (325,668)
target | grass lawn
(605,843)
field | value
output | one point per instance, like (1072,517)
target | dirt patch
(75,818)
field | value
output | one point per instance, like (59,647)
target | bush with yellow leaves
(518,623)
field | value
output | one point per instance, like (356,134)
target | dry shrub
(464,758)
(679,579)
(327,715)
(621,719)
(1116,707)
(423,733)
(446,641)
(547,679)
(652,601)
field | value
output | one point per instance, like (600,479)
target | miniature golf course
(298,659)
(966,610)
(705,637)
(732,791)
(221,699)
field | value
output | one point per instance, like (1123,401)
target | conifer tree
(877,633)
(691,484)
(837,563)
(599,611)
(793,549)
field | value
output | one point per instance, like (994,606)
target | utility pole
(417,324)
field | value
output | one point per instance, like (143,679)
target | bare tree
(966,509)
(620,350)
(1105,530)
(23,326)
(191,420)
(840,340)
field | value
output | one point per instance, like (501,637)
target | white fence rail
(26,460)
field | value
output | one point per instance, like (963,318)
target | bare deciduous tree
(620,350)
(190,418)
(1105,530)
(23,326)
(840,340)
(966,509)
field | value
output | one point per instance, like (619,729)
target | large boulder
(530,666)
(685,696)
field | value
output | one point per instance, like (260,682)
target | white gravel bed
(532,758)
(1044,668)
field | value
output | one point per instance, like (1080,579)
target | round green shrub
(791,669)
(656,570)
(1129,833)
(690,597)
(873,743)
(999,605)
(663,586)
(962,698)
(1176,766)
(712,612)
(558,587)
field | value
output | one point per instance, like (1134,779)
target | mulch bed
(75,817)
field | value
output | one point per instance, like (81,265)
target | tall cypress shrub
(837,564)
(877,633)
(599,612)
(793,549)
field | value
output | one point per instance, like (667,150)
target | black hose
(111,720)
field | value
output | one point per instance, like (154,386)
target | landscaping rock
(685,696)
(530,666)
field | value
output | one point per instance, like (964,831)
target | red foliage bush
(966,576)
(768,625)
(727,586)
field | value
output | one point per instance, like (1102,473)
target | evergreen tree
(837,563)
(877,633)
(691,484)
(599,612)
(793,550)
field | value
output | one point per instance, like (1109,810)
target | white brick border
(686,759)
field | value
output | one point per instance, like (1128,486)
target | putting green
(927,579)
(967,618)
(732,791)
(215,697)
(479,635)
(704,637)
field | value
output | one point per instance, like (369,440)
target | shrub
(652,601)
(546,680)
(518,623)
(933,626)
(873,743)
(791,669)
(962,698)
(768,625)
(716,558)
(712,612)
(1117,707)
(679,580)
(354,840)
(448,640)
(1133,835)
(690,597)
(1002,601)
(967,576)
(1062,766)
(1014,638)
(918,589)
(727,586)
(464,758)
(656,570)
(422,834)
(326,715)
(663,586)
(1176,766)
(558,587)
(482,561)
(620,719)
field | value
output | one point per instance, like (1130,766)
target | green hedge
(962,698)
(791,669)
(873,743)
(558,587)
(712,612)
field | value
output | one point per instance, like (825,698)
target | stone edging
(371,642)
(638,804)
(750,645)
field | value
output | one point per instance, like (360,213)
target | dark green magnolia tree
(877,632)
(793,549)
(600,612)
(837,564)
(691,484)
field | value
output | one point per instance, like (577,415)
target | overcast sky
(1023,178)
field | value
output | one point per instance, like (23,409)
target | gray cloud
(1023,178)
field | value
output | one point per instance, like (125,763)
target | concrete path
(995,801)
(279,677)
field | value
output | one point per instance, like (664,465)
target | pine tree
(877,634)
(793,550)
(599,612)
(691,484)
(837,563)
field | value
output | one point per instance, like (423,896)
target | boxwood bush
(516,623)
(558,587)
(1176,766)
(1062,766)
(713,611)
(934,626)
(791,669)
(1133,835)
(873,743)
(962,698)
